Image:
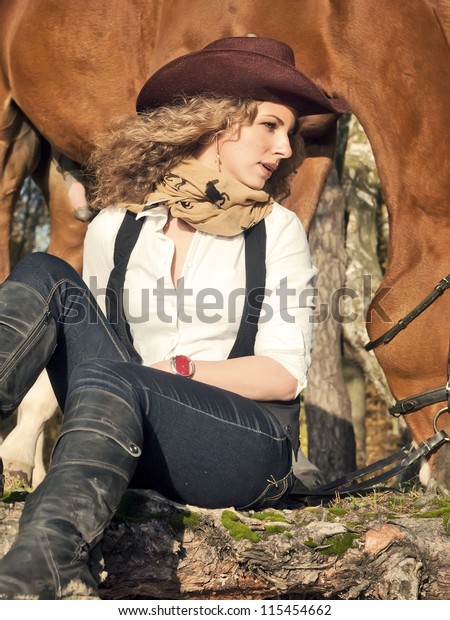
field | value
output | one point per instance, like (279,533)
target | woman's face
(251,153)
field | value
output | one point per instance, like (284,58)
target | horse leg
(66,231)
(18,450)
(19,154)
(319,135)
(73,178)
(39,470)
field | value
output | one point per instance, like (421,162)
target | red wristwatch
(182,365)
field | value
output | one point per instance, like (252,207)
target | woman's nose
(283,148)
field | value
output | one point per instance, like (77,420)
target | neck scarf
(207,200)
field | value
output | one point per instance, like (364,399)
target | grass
(377,503)
(389,505)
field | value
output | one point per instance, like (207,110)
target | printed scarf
(207,200)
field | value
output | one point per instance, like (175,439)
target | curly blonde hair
(132,158)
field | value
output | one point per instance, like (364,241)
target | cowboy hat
(256,67)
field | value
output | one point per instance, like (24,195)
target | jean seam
(210,415)
(151,391)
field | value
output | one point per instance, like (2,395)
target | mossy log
(384,546)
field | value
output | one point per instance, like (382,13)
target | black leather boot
(65,517)
(27,340)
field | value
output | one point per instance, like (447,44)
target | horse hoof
(13,480)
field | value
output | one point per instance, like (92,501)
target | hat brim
(238,74)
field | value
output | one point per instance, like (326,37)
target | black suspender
(125,241)
(255,280)
(255,267)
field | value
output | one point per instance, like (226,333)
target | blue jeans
(202,445)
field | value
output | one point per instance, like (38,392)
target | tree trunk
(155,549)
(331,442)
(364,206)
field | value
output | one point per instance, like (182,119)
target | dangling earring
(217,161)
(217,157)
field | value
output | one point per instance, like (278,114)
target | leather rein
(430,397)
(348,484)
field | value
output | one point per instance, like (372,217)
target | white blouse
(200,317)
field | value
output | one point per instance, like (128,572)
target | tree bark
(364,204)
(369,548)
(331,442)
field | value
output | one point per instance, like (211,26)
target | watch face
(183,365)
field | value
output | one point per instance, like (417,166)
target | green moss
(430,514)
(338,512)
(10,497)
(310,543)
(236,528)
(352,525)
(444,502)
(184,520)
(338,545)
(270,516)
(443,511)
(274,529)
(314,511)
(133,508)
(334,545)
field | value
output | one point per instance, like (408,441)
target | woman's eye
(270,125)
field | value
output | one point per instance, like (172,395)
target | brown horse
(67,68)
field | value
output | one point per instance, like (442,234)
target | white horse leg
(19,447)
(356,388)
(39,467)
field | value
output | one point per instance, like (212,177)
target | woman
(186,384)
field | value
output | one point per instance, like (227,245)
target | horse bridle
(347,484)
(430,397)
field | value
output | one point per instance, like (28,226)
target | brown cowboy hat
(256,67)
